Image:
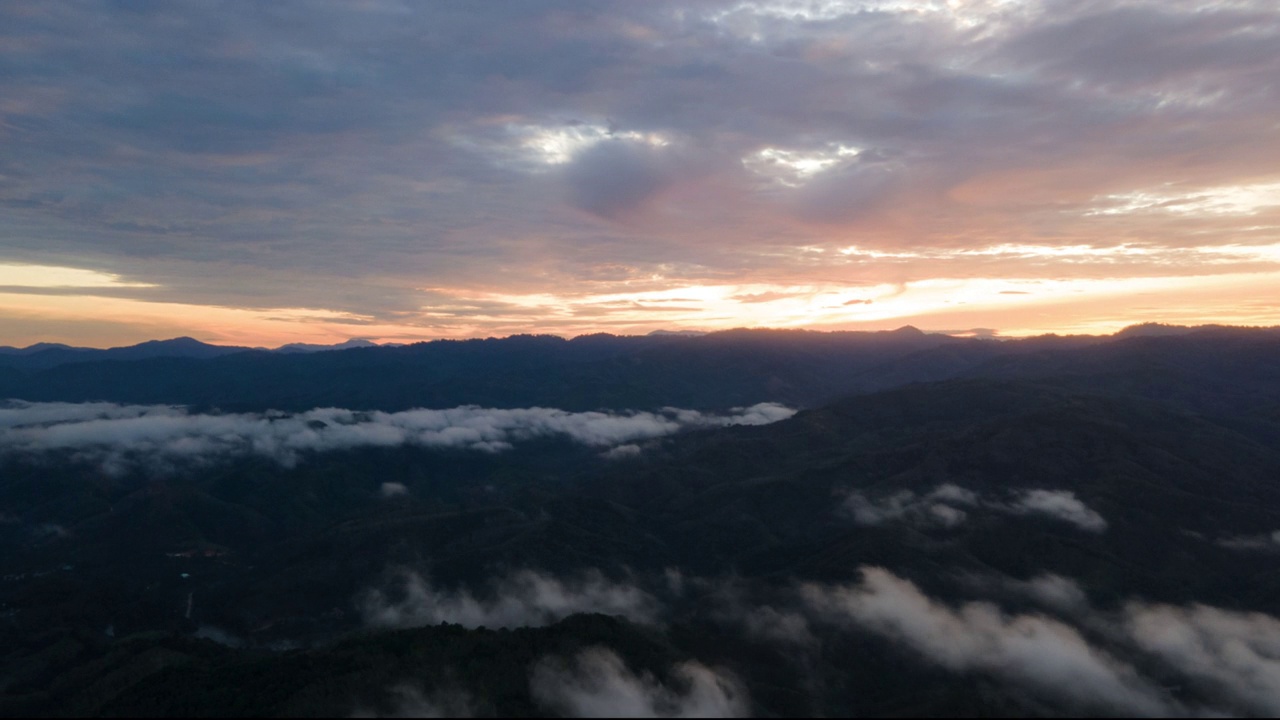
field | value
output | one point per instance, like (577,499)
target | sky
(264,173)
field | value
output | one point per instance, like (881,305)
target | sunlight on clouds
(794,167)
(50,276)
(1188,257)
(964,14)
(1015,306)
(1018,306)
(855,251)
(1222,200)
(820,10)
(1056,251)
(785,163)
(1231,253)
(540,146)
(558,145)
(223,325)
(1003,250)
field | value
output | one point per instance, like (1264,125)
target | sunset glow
(404,173)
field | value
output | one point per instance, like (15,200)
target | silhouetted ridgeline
(717,370)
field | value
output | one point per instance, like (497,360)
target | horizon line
(988,334)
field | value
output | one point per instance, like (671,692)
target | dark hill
(46,356)
(718,370)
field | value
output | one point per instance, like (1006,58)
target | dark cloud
(615,177)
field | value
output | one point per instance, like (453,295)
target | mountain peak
(38,347)
(184,341)
(1153,329)
(683,333)
(315,347)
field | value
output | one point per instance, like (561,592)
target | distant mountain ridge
(49,355)
(732,368)
(38,347)
(723,369)
(312,347)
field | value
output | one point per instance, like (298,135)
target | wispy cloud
(1040,654)
(1236,654)
(1225,661)
(1059,504)
(522,599)
(597,683)
(1137,658)
(949,505)
(941,506)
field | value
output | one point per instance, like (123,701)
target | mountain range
(47,355)
(747,522)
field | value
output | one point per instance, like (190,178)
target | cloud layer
(1235,654)
(1137,658)
(122,436)
(1224,661)
(1043,655)
(383,164)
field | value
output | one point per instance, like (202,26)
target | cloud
(784,627)
(615,178)
(942,506)
(521,599)
(1056,592)
(17,413)
(1235,653)
(1140,658)
(1060,504)
(731,602)
(1218,661)
(393,489)
(352,145)
(1038,654)
(859,190)
(120,437)
(597,683)
(1266,542)
(891,507)
(936,507)
(621,451)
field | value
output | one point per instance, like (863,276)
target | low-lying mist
(120,437)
